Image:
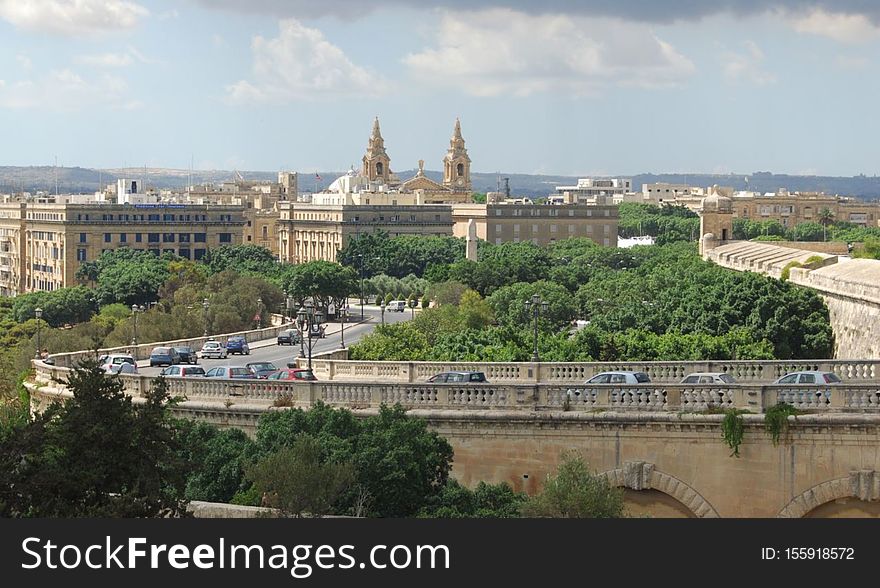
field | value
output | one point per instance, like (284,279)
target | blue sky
(575,88)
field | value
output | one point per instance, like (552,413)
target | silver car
(709,378)
(622,377)
(809,377)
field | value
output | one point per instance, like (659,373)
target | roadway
(269,350)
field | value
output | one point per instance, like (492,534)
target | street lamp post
(259,316)
(535,305)
(135,310)
(38,313)
(307,318)
(412,306)
(361,268)
(205,306)
(343,316)
(382,307)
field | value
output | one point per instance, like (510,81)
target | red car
(290,374)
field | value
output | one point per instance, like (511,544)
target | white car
(620,378)
(809,377)
(213,350)
(709,378)
(114,362)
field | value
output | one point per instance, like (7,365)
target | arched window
(379,169)
(460,169)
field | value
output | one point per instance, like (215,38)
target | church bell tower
(377,164)
(457,164)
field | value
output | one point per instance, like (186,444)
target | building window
(152,237)
(138,237)
(226,237)
(107,238)
(184,253)
(460,169)
(183,237)
(82,237)
(168,237)
(497,228)
(552,228)
(534,228)
(80,254)
(265,232)
(249,238)
(198,254)
(200,237)
(123,238)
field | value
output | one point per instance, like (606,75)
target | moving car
(187,354)
(233,372)
(288,337)
(317,331)
(809,377)
(396,306)
(184,371)
(622,377)
(238,345)
(164,356)
(113,362)
(213,350)
(709,378)
(458,377)
(289,374)
(262,368)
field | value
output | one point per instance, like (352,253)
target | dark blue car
(237,345)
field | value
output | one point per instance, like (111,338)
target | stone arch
(641,475)
(861,484)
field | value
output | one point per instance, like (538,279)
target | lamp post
(360,257)
(382,307)
(205,306)
(38,313)
(535,305)
(343,316)
(307,318)
(412,306)
(259,317)
(135,310)
(290,306)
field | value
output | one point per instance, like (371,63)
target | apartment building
(42,245)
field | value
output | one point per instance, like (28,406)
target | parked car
(237,345)
(289,374)
(187,354)
(396,306)
(234,372)
(184,371)
(709,378)
(622,377)
(809,377)
(262,368)
(213,350)
(458,377)
(288,337)
(113,362)
(164,356)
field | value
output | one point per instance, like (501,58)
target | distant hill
(84,180)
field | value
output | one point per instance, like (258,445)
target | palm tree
(826,217)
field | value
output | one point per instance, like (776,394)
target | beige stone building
(310,232)
(794,208)
(42,245)
(541,224)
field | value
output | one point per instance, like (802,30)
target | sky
(567,87)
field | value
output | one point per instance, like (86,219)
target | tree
(575,492)
(826,217)
(244,259)
(323,282)
(216,459)
(298,481)
(96,455)
(496,501)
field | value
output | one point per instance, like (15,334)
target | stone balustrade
(747,372)
(143,351)
(535,397)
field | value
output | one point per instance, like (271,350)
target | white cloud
(846,28)
(852,62)
(748,66)
(65,91)
(501,51)
(24,61)
(300,64)
(72,17)
(106,60)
